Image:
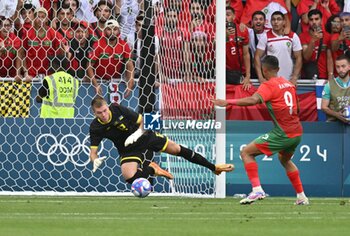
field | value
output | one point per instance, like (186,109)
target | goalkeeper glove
(97,163)
(133,137)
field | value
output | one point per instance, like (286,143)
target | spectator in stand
(103,12)
(80,47)
(9,46)
(136,55)
(199,23)
(316,53)
(255,33)
(326,7)
(334,28)
(336,93)
(64,24)
(268,7)
(27,15)
(257,30)
(158,11)
(179,6)
(237,5)
(108,58)
(203,66)
(51,7)
(128,12)
(198,20)
(283,46)
(74,5)
(340,40)
(86,11)
(40,42)
(174,49)
(237,53)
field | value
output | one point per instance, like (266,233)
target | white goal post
(51,156)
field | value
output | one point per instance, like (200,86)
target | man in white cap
(109,57)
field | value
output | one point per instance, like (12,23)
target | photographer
(341,41)
(237,53)
(316,53)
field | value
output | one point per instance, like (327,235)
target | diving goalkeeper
(124,128)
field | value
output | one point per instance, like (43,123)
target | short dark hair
(277,13)
(28,7)
(64,7)
(343,57)
(329,23)
(270,62)
(98,101)
(103,2)
(230,9)
(259,13)
(314,12)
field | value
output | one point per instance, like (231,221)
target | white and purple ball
(141,187)
(346,112)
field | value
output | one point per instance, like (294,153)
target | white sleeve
(282,9)
(346,6)
(296,43)
(8,8)
(262,42)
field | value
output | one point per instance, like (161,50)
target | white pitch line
(243,214)
(176,218)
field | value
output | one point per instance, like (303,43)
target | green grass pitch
(99,216)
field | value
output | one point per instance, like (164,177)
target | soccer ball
(141,187)
(346,113)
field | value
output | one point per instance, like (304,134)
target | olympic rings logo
(69,152)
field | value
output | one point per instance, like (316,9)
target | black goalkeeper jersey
(122,124)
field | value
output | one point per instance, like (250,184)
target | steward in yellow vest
(58,92)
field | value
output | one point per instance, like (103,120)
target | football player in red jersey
(281,99)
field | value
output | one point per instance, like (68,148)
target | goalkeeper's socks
(294,178)
(196,158)
(252,172)
(141,173)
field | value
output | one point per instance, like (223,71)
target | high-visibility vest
(63,90)
(340,97)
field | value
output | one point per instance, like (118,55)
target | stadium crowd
(102,38)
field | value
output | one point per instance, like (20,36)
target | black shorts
(150,140)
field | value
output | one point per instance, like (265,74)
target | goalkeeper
(124,128)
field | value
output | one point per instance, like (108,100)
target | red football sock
(252,172)
(295,180)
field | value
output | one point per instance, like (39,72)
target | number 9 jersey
(282,103)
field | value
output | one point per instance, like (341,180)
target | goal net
(170,45)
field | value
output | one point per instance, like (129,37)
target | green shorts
(273,142)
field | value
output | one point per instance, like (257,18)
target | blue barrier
(346,164)
(322,158)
